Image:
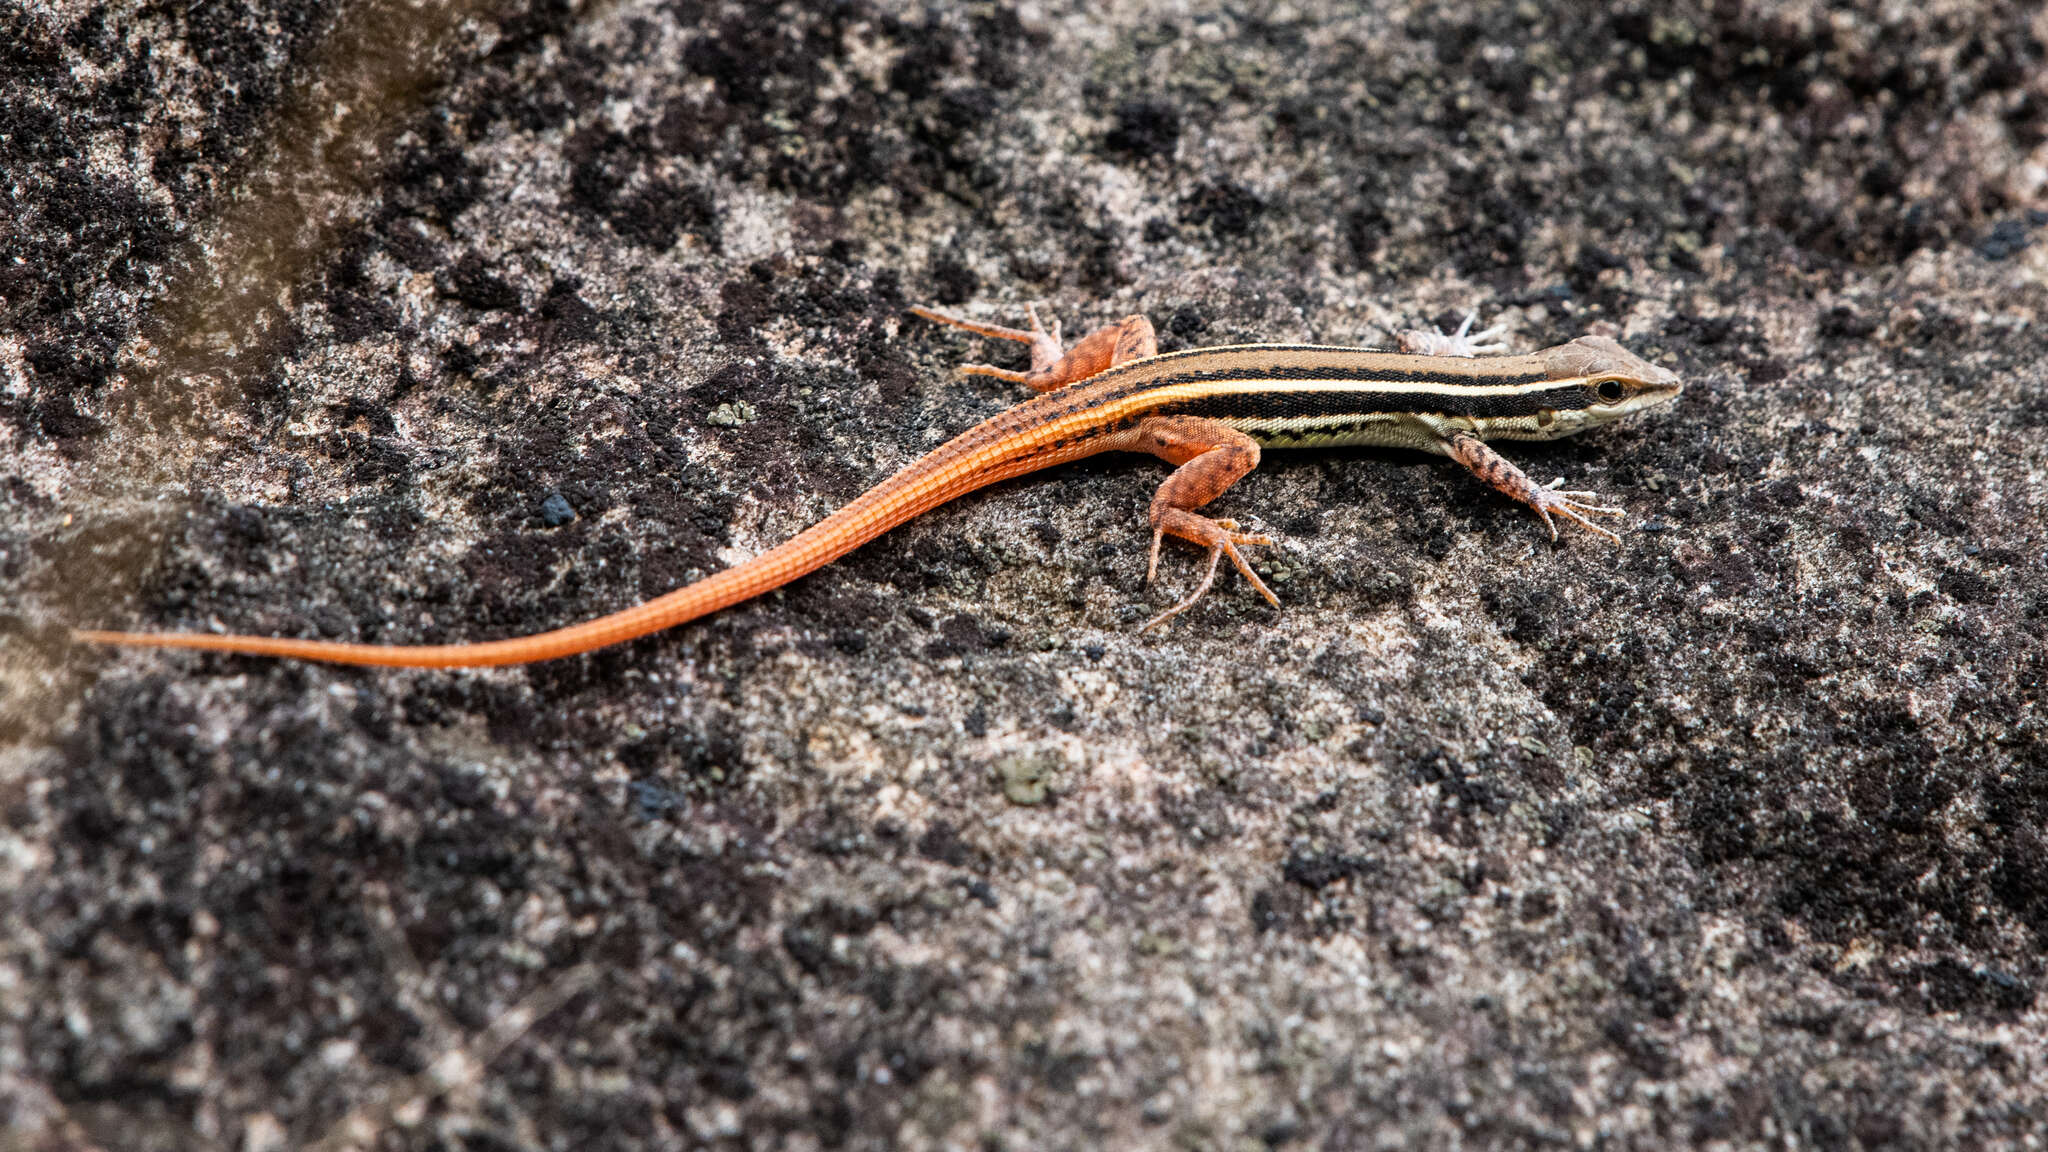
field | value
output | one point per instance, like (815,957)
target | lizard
(1207,411)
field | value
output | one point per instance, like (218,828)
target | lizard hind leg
(1052,366)
(1226,544)
(1211,457)
(1045,346)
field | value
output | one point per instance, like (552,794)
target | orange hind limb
(1210,458)
(1053,367)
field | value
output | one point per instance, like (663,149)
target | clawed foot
(1571,505)
(1046,348)
(1225,542)
(1053,365)
(1464,342)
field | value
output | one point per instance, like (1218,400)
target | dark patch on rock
(60,419)
(747,305)
(432,179)
(704,753)
(356,316)
(2006,239)
(1228,210)
(610,177)
(958,636)
(1967,587)
(1320,870)
(952,281)
(1654,988)
(567,315)
(1949,986)
(472,282)
(1144,129)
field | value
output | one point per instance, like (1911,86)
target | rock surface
(412,327)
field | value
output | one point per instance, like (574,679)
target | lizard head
(1615,381)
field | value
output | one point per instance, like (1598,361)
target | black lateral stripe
(1278,404)
(1278,436)
(1359,372)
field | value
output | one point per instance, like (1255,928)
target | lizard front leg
(1052,367)
(1210,458)
(1498,471)
(1463,343)
(1484,462)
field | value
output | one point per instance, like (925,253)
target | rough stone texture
(413,326)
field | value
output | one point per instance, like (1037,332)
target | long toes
(1225,545)
(1007,375)
(1229,548)
(1462,343)
(1233,531)
(1039,329)
(1163,617)
(1488,342)
(1588,525)
(1201,590)
(1575,512)
(1559,501)
(979,328)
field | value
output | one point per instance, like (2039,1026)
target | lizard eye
(1610,390)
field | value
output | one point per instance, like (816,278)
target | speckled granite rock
(413,328)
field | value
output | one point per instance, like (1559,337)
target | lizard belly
(1372,430)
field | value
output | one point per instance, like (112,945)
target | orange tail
(989,452)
